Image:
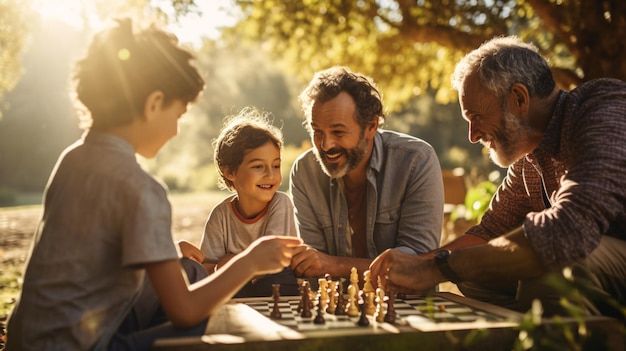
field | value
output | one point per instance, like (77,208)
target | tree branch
(445,36)
(551,16)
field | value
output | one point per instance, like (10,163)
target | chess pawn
(276,314)
(390,315)
(319,317)
(332,297)
(353,309)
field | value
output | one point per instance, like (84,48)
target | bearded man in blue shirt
(360,190)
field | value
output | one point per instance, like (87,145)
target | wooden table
(444,321)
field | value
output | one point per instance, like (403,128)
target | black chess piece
(300,303)
(340,310)
(363,321)
(390,317)
(276,314)
(319,318)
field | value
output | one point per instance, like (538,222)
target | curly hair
(122,68)
(327,84)
(245,131)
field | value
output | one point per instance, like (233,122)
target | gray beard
(509,140)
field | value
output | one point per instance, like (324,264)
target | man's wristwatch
(441,259)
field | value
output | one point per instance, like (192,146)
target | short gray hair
(504,61)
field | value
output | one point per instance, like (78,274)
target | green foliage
(39,121)
(10,285)
(477,200)
(568,331)
(411,47)
(14,27)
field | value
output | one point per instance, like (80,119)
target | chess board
(442,311)
(444,321)
(333,325)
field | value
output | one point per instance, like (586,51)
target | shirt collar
(376,160)
(108,140)
(549,145)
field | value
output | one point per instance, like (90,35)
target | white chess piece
(370,306)
(332,297)
(380,304)
(367,283)
(323,293)
(354,282)
(353,309)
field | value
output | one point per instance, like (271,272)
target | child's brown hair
(247,130)
(123,67)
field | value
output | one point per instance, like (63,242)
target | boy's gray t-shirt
(228,232)
(103,218)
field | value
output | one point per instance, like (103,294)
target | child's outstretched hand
(188,250)
(270,254)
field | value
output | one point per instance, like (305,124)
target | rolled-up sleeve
(421,214)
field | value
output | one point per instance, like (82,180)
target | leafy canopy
(13,32)
(410,47)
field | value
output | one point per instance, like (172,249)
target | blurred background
(262,53)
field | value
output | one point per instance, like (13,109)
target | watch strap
(441,259)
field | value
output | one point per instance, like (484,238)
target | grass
(10,283)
